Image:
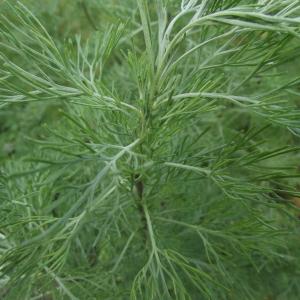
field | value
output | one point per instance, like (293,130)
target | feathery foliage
(163,157)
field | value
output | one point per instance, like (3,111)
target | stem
(139,186)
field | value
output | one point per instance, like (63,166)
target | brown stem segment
(139,186)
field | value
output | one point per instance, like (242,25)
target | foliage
(160,151)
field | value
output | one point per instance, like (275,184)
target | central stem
(139,187)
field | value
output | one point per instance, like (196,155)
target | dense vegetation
(149,149)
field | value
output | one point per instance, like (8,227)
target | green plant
(161,178)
